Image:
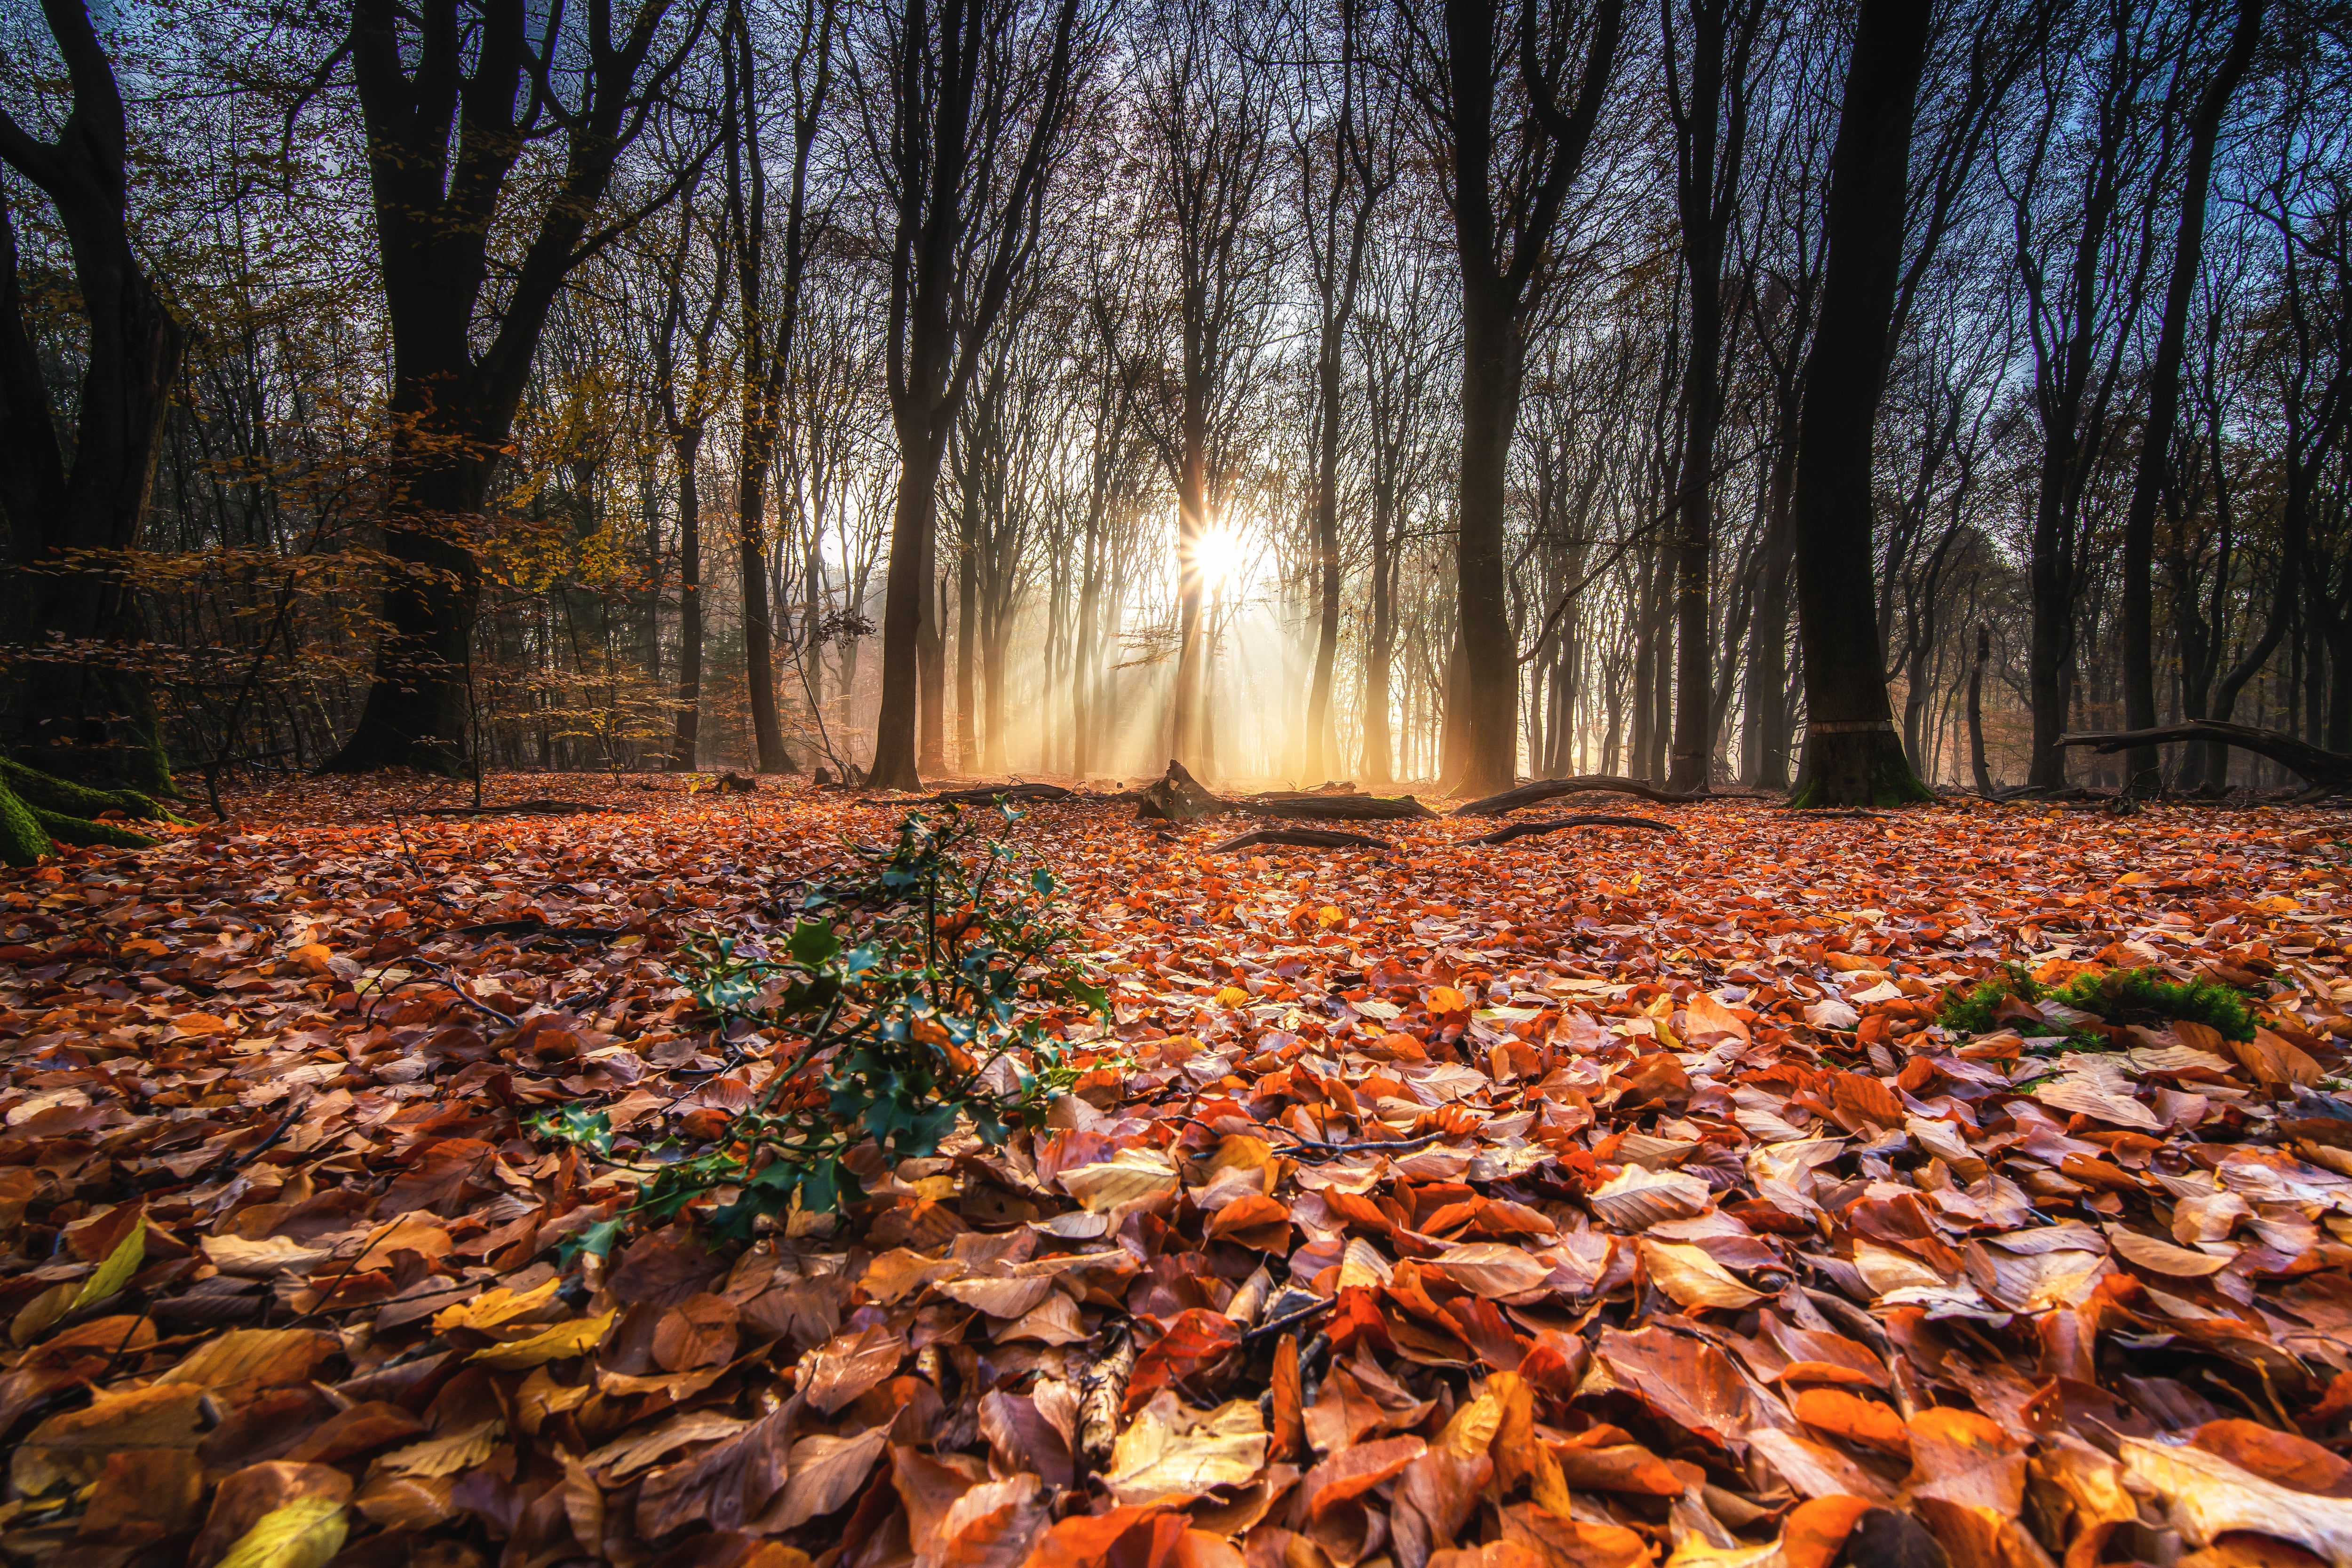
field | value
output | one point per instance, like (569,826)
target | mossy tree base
(1857,768)
(39,810)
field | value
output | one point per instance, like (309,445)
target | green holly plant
(909,997)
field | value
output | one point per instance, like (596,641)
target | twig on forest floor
(1276,1325)
(450,980)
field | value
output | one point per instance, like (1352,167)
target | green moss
(68,830)
(1973,1012)
(1887,779)
(39,810)
(2118,997)
(22,840)
(49,793)
(2137,995)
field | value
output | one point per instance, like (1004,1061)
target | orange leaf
(1863,1421)
(1816,1530)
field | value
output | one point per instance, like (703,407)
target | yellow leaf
(1130,1176)
(1232,996)
(1547,1482)
(1693,1278)
(445,1455)
(1328,915)
(491,1308)
(116,1272)
(562,1341)
(306,1533)
(1471,1431)
(1171,1451)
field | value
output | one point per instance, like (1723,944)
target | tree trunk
(1767,635)
(1499,252)
(1702,139)
(969,759)
(417,706)
(1853,756)
(1977,770)
(83,716)
(1321,763)
(1379,751)
(906,587)
(2141,766)
(685,740)
(451,406)
(758,631)
(1488,690)
(932,659)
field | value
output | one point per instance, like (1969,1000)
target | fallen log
(983,794)
(1584,783)
(2318,765)
(1301,837)
(1504,835)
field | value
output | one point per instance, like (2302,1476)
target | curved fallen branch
(1584,783)
(1301,837)
(2315,763)
(1504,835)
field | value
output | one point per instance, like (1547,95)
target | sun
(1219,552)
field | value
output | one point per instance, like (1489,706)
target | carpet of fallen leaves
(1601,1199)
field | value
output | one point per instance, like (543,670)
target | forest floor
(1698,1238)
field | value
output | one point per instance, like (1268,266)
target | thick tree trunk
(454,402)
(418,709)
(904,589)
(1500,248)
(86,716)
(1488,692)
(1853,756)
